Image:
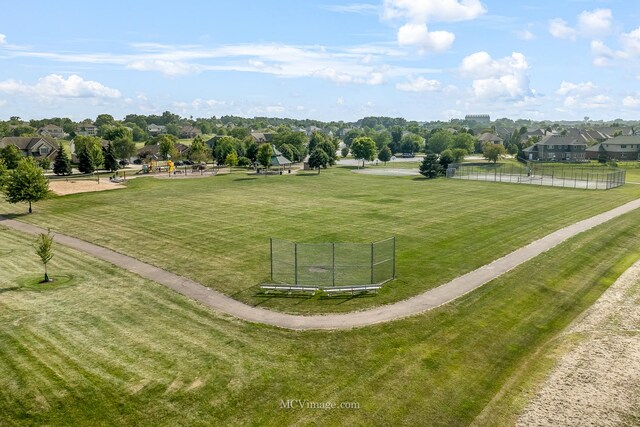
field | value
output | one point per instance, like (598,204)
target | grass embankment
(111,348)
(216,230)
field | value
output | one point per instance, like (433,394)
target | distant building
(557,148)
(36,147)
(52,131)
(87,129)
(189,131)
(481,119)
(618,148)
(155,130)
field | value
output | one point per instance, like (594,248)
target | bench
(290,288)
(352,289)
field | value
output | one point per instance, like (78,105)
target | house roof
(261,136)
(560,140)
(277,159)
(615,144)
(154,150)
(26,142)
(489,137)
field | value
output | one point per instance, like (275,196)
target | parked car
(408,155)
(123,163)
(137,162)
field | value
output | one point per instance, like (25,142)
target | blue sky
(327,60)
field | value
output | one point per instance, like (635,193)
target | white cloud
(631,102)
(418,13)
(504,78)
(340,101)
(568,88)
(360,8)
(169,68)
(631,41)
(418,35)
(3,39)
(596,23)
(419,84)
(423,11)
(582,96)
(561,30)
(525,35)
(603,55)
(56,86)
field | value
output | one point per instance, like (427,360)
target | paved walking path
(412,306)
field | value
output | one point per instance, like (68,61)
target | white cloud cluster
(169,68)
(419,84)
(632,102)
(504,78)
(55,86)
(3,39)
(582,96)
(604,56)
(596,24)
(419,13)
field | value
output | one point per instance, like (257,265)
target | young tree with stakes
(44,249)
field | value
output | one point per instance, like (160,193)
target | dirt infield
(62,188)
(596,383)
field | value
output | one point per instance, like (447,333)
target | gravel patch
(596,383)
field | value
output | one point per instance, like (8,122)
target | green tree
(252,152)
(352,135)
(26,183)
(264,155)
(124,148)
(318,159)
(439,141)
(110,161)
(104,119)
(11,155)
(315,139)
(411,143)
(44,163)
(199,152)
(224,146)
(364,148)
(458,154)
(168,149)
(384,155)
(430,167)
(463,141)
(345,151)
(445,159)
(396,138)
(231,160)
(287,151)
(89,152)
(329,149)
(382,139)
(44,249)
(4,174)
(493,152)
(61,164)
(113,132)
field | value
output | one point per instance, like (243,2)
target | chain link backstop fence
(556,175)
(332,264)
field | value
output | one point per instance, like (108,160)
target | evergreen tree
(430,167)
(85,164)
(61,164)
(110,161)
(385,154)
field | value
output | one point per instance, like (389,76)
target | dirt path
(596,383)
(409,307)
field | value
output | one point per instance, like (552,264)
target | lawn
(104,347)
(216,230)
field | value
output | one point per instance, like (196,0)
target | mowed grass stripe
(216,230)
(441,367)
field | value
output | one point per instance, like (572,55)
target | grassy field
(216,230)
(104,347)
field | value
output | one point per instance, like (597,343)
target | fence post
(372,263)
(295,263)
(271,253)
(394,257)
(333,262)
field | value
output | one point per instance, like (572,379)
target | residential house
(51,130)
(87,129)
(261,137)
(618,148)
(37,147)
(153,151)
(155,130)
(189,131)
(489,137)
(557,148)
